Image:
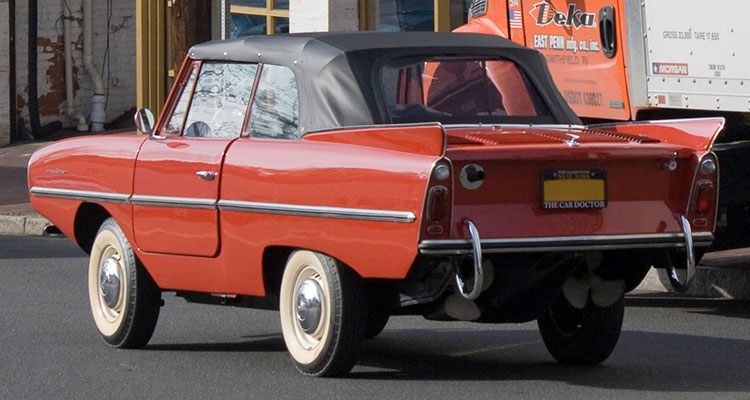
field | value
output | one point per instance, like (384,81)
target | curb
(709,282)
(22,225)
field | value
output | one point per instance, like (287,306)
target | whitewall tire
(124,299)
(323,313)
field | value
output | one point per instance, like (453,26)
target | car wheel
(581,337)
(124,299)
(323,314)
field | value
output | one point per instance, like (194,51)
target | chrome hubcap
(109,282)
(309,308)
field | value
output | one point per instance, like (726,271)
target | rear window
(461,89)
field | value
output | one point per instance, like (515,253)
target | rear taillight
(704,198)
(438,204)
(439,201)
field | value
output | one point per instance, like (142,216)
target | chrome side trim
(565,243)
(229,205)
(317,211)
(168,201)
(84,195)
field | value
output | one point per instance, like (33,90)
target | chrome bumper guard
(475,246)
(476,250)
(682,287)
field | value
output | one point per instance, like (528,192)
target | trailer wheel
(581,337)
(124,299)
(323,313)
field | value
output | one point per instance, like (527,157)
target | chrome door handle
(207,175)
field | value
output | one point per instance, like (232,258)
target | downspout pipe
(97,102)
(37,130)
(69,93)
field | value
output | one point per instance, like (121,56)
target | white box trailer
(696,54)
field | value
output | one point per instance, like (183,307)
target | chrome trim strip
(317,211)
(564,127)
(168,201)
(567,243)
(371,126)
(229,205)
(84,195)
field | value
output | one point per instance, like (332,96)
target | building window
(256,17)
(417,15)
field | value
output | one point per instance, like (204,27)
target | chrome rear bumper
(566,243)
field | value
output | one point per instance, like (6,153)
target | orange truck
(621,60)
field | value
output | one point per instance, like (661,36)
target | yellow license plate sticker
(574,189)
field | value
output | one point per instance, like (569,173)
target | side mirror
(144,120)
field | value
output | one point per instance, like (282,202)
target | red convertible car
(345,178)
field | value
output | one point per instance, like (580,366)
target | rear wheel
(124,299)
(323,313)
(581,337)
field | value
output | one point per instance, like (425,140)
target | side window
(220,100)
(174,126)
(275,111)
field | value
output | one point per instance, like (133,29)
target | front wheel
(581,337)
(124,299)
(323,313)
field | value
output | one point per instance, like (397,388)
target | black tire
(124,299)
(325,342)
(377,319)
(581,337)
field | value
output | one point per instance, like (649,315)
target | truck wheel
(323,309)
(581,337)
(124,299)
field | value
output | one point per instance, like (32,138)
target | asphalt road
(49,348)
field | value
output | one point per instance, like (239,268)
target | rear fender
(697,134)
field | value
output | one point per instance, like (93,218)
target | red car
(344,178)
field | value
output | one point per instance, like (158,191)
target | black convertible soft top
(338,73)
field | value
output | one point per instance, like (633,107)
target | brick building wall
(4,76)
(119,76)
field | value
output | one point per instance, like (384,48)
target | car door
(178,170)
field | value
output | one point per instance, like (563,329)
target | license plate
(574,189)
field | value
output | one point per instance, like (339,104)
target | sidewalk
(721,274)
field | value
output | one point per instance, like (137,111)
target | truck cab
(633,60)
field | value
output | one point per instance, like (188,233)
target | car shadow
(642,361)
(250,343)
(707,306)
